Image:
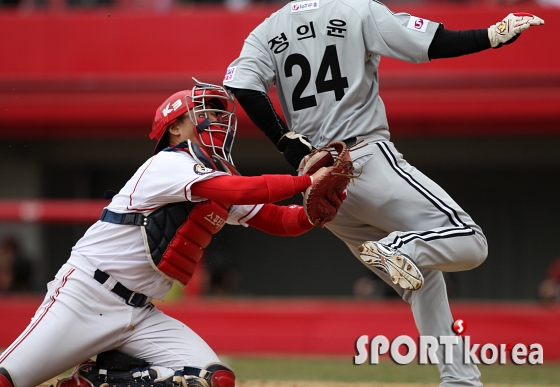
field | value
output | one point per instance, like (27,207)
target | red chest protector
(176,234)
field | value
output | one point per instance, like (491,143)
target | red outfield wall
(324,326)
(104,72)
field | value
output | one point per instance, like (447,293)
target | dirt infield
(271,383)
(306,383)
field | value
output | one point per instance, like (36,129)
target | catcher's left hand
(324,197)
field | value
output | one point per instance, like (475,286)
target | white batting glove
(509,28)
(294,136)
(294,147)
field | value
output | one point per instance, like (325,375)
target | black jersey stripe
(431,235)
(438,203)
(384,5)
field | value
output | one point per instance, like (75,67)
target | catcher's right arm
(324,197)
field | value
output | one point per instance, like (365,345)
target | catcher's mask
(210,108)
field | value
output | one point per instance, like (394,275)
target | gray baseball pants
(394,203)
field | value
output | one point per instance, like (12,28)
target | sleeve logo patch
(230,73)
(200,169)
(417,24)
(304,6)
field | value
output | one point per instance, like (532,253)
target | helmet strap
(203,124)
(228,143)
(200,155)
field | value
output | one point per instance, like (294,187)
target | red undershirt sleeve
(242,190)
(281,220)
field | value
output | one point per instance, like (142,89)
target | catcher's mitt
(324,197)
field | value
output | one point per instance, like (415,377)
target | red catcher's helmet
(203,99)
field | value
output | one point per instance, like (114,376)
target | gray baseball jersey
(325,67)
(323,58)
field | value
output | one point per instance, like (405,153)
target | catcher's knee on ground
(115,369)
(212,375)
(5,378)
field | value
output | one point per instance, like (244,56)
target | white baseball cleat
(402,270)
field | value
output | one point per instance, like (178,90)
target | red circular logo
(459,327)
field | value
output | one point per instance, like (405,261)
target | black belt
(349,142)
(133,218)
(131,298)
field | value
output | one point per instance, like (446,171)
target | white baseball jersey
(80,318)
(325,67)
(119,249)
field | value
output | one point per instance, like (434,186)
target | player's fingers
(528,24)
(537,21)
(527,19)
(527,16)
(521,28)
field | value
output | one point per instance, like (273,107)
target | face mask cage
(211,109)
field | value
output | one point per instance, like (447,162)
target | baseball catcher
(151,234)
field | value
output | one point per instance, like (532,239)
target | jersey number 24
(337,83)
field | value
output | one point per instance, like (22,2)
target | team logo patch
(417,24)
(304,6)
(502,27)
(230,73)
(200,169)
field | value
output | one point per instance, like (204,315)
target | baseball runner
(152,233)
(323,58)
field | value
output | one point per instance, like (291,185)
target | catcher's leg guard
(5,378)
(79,378)
(212,375)
(115,369)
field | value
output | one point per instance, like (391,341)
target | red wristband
(281,187)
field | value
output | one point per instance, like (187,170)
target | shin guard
(5,378)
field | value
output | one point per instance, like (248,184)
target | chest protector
(176,234)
